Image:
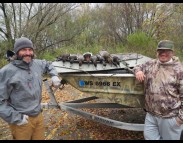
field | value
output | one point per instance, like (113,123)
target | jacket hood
(21,64)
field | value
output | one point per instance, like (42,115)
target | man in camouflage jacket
(163,80)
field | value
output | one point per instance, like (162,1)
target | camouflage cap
(166,44)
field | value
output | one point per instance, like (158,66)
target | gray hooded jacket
(21,87)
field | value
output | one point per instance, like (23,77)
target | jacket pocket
(173,123)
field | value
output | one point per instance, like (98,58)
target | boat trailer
(75,107)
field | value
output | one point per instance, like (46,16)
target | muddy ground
(61,125)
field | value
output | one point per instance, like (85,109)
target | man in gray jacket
(21,90)
(163,80)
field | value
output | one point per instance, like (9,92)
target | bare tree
(6,29)
(32,19)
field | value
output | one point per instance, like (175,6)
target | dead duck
(101,59)
(106,56)
(80,59)
(94,60)
(72,57)
(65,57)
(87,57)
(115,59)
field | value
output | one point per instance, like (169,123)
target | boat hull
(114,82)
(118,88)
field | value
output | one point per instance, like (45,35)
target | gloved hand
(55,81)
(24,120)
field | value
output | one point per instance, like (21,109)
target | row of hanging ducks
(103,57)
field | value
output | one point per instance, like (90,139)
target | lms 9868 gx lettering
(98,83)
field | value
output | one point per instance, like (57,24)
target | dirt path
(61,125)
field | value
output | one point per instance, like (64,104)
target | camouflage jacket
(163,87)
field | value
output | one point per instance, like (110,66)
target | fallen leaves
(73,127)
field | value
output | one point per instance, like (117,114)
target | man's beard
(21,57)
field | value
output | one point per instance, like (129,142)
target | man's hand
(24,120)
(140,76)
(56,81)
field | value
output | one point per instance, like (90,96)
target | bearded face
(25,54)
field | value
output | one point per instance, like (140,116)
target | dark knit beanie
(22,43)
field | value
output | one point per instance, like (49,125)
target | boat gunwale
(98,75)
